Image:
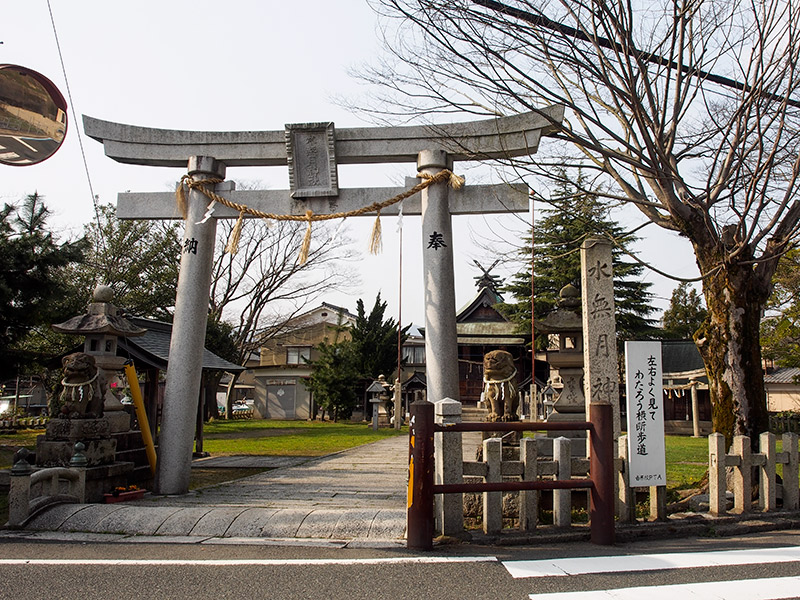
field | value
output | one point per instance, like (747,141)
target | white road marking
(246,562)
(649,562)
(776,588)
(24,143)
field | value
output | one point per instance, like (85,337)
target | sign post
(645,394)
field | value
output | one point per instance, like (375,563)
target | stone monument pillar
(601,372)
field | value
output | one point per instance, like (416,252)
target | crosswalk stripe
(649,562)
(776,588)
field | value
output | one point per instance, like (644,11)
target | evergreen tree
(685,314)
(375,341)
(31,294)
(139,259)
(780,328)
(342,367)
(334,378)
(575,213)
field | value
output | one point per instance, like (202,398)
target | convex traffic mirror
(33,117)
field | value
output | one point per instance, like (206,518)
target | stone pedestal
(103,472)
(103,479)
(55,448)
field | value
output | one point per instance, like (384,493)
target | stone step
(473,414)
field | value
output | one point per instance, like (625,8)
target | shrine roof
(486,299)
(488,333)
(152,348)
(680,356)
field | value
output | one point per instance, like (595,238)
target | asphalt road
(90,570)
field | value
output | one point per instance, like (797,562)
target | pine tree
(780,328)
(575,213)
(31,294)
(375,340)
(685,314)
(334,379)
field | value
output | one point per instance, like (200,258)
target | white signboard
(645,392)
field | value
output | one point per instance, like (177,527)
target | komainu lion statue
(82,397)
(500,386)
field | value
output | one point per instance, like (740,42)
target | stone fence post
(493,501)
(528,499)
(791,491)
(562,499)
(448,458)
(626,504)
(19,494)
(717,483)
(742,478)
(767,479)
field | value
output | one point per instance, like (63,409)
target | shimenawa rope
(79,387)
(187,182)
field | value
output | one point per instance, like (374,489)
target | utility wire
(80,139)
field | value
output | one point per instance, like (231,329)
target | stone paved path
(356,494)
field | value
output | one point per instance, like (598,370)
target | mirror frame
(57,99)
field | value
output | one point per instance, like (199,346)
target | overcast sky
(237,65)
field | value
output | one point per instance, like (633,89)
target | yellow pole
(141,415)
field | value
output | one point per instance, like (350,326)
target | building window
(414,355)
(298,355)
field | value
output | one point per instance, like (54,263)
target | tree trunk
(211,409)
(729,343)
(230,394)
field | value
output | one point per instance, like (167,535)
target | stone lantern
(377,395)
(102,326)
(564,354)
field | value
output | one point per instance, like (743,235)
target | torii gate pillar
(184,371)
(441,340)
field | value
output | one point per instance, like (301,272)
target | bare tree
(263,285)
(688,107)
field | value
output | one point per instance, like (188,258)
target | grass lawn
(11,442)
(687,461)
(288,438)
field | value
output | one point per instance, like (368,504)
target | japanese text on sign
(644,386)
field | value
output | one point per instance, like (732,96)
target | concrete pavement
(354,495)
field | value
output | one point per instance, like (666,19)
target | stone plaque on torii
(312,151)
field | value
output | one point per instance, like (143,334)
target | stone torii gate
(312,152)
